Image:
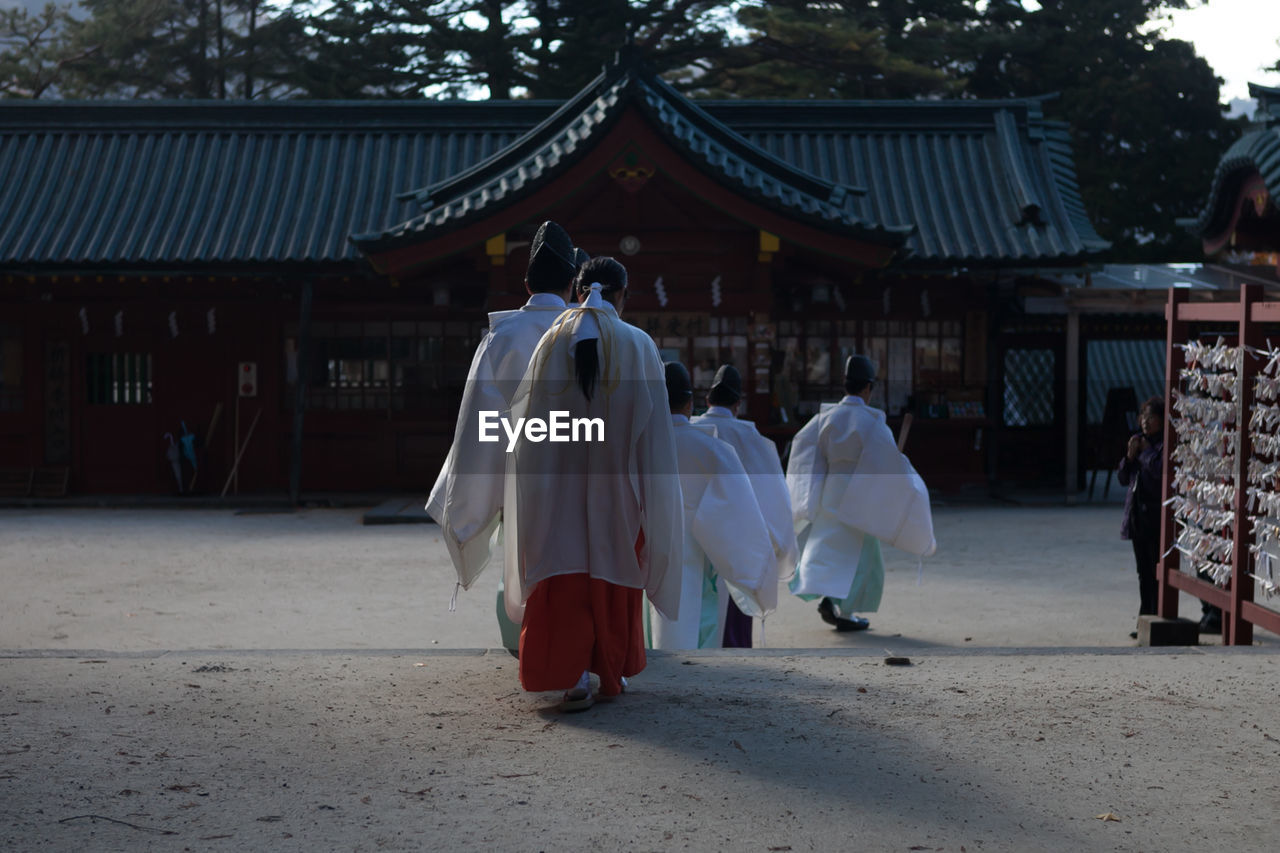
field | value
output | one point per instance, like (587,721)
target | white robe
(724,534)
(759,458)
(579,507)
(847,478)
(468,494)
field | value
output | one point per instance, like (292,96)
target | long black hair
(612,278)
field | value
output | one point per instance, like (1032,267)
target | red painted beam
(1202,590)
(1265,312)
(1213,312)
(1263,617)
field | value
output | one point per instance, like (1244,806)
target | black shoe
(1211,624)
(1133,635)
(827,610)
(853,623)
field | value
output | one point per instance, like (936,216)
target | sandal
(577,700)
(578,697)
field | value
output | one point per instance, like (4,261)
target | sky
(1236,37)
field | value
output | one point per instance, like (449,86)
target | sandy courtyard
(201,680)
(135,580)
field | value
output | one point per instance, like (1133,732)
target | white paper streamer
(1266,387)
(1204,410)
(1205,472)
(1221,385)
(1215,357)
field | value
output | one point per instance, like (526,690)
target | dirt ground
(139,580)
(200,680)
(767,752)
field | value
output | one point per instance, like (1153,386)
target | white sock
(584,682)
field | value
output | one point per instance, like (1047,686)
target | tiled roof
(146,185)
(1137,364)
(548,149)
(1254,152)
(984,182)
(156,184)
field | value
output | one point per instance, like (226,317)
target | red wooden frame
(1239,612)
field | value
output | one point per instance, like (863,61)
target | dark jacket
(1142,500)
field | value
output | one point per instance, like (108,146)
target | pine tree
(33,51)
(802,49)
(407,48)
(184,49)
(576,39)
(539,48)
(1146,125)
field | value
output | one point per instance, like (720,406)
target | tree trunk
(249,49)
(222,57)
(200,62)
(499,70)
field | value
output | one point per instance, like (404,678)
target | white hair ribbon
(588,328)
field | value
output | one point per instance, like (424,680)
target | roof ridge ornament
(1267,113)
(627,64)
(627,56)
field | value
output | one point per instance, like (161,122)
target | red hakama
(576,622)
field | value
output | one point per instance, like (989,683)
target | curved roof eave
(1254,152)
(563,138)
(574,114)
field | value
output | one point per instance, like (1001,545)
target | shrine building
(301,285)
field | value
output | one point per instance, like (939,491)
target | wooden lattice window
(1029,398)
(391,365)
(118,378)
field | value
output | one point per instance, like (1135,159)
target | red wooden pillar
(1174,359)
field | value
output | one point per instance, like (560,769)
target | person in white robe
(727,552)
(596,521)
(467,498)
(851,488)
(759,457)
